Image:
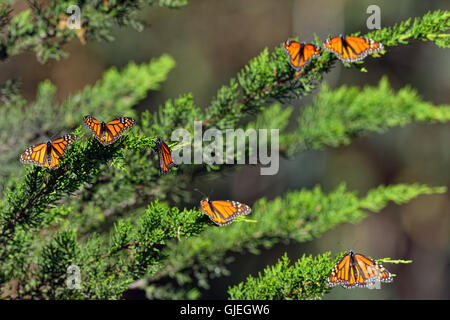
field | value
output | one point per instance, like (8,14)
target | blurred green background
(211,40)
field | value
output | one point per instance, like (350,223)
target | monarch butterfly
(351,49)
(164,156)
(301,53)
(223,212)
(107,133)
(356,270)
(47,154)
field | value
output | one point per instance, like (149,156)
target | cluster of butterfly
(48,154)
(348,49)
(353,270)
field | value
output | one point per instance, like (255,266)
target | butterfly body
(356,270)
(103,131)
(47,154)
(300,53)
(223,212)
(351,49)
(164,156)
(107,133)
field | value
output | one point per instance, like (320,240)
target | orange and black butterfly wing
(96,127)
(367,267)
(340,274)
(164,156)
(371,270)
(384,274)
(360,45)
(36,154)
(293,49)
(58,148)
(355,48)
(340,48)
(223,212)
(116,127)
(310,51)
(334,45)
(215,216)
(300,53)
(351,49)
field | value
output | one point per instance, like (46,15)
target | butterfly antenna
(204,195)
(55,135)
(354,244)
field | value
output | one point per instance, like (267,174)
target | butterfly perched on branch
(107,133)
(356,270)
(300,53)
(164,156)
(47,154)
(223,212)
(351,49)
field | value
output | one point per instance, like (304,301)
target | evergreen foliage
(43,28)
(103,209)
(297,216)
(349,112)
(305,280)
